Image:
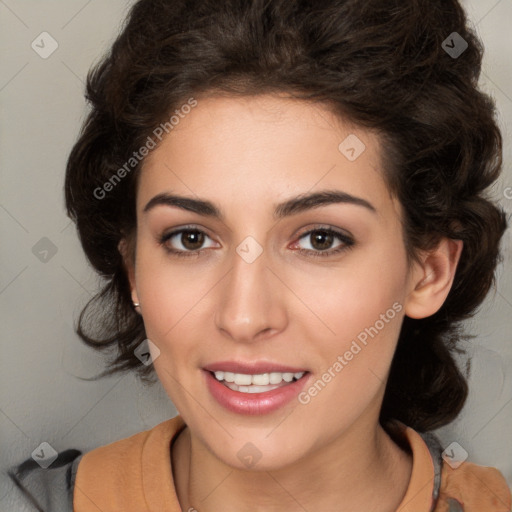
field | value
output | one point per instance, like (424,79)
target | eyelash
(348,242)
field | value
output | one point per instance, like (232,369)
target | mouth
(256,383)
(256,390)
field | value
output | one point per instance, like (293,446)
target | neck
(337,476)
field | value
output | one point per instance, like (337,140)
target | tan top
(135,475)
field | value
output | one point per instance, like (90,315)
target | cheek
(168,298)
(360,302)
(363,308)
(171,303)
(165,288)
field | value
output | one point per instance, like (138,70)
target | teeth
(229,377)
(259,380)
(250,389)
(262,379)
(275,378)
(243,380)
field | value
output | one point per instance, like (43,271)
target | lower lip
(254,403)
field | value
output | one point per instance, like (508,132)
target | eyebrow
(289,207)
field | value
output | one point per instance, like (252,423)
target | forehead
(268,146)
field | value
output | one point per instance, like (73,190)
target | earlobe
(432,280)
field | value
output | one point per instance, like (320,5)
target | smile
(256,383)
(254,393)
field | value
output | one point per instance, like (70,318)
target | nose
(251,305)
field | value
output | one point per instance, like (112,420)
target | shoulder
(473,488)
(46,489)
(456,486)
(122,474)
(465,486)
(53,488)
(119,454)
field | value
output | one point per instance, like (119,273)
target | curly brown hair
(382,64)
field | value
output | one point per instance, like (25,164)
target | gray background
(41,398)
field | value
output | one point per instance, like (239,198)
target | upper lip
(253,368)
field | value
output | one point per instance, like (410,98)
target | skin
(245,155)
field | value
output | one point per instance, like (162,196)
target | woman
(287,200)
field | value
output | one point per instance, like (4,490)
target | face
(258,282)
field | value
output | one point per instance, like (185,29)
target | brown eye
(192,240)
(321,242)
(185,242)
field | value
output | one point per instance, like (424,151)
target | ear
(432,278)
(125,249)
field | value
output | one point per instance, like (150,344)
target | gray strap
(436,451)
